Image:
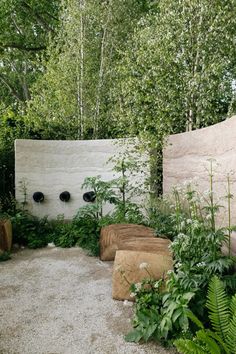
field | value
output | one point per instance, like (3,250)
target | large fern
(231,335)
(218,305)
(187,346)
(222,313)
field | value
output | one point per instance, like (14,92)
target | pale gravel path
(58,301)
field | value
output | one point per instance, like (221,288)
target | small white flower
(181,236)
(178,265)
(143,265)
(186,183)
(127,303)
(132,294)
(156,285)
(189,221)
(138,286)
(51,244)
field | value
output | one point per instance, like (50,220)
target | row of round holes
(38,197)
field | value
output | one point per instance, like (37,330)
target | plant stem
(229,212)
(212,200)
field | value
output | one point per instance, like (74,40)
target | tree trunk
(101,73)
(80,75)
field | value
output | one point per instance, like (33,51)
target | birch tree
(25,26)
(178,70)
(75,90)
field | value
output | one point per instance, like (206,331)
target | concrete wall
(55,166)
(186,157)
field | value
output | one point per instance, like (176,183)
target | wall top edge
(227,121)
(39,141)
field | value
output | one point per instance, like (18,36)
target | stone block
(155,245)
(5,235)
(112,237)
(127,270)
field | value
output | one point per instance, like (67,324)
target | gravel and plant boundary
(58,301)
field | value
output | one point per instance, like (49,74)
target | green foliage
(170,79)
(87,228)
(161,218)
(103,191)
(29,230)
(11,127)
(5,256)
(161,306)
(62,233)
(25,28)
(75,88)
(222,314)
(197,256)
(218,305)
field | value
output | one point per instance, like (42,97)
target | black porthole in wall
(64,196)
(38,197)
(89,197)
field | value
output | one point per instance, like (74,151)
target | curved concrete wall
(55,166)
(186,157)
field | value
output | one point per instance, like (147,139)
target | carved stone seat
(131,267)
(113,236)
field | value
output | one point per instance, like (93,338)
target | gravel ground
(58,301)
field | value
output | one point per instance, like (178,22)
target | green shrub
(220,338)
(28,230)
(5,256)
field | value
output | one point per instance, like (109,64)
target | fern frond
(187,346)
(194,319)
(230,281)
(218,305)
(233,305)
(231,337)
(210,343)
(219,340)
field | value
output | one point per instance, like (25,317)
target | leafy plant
(5,256)
(63,233)
(222,313)
(28,230)
(87,229)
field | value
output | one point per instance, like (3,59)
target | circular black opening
(64,196)
(38,197)
(89,197)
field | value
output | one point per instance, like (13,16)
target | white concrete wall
(55,166)
(186,157)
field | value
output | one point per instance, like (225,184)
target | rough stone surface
(52,167)
(146,244)
(127,270)
(186,157)
(112,237)
(58,301)
(5,235)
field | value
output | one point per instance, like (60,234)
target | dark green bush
(5,256)
(28,230)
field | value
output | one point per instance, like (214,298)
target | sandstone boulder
(132,267)
(113,235)
(5,235)
(155,245)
